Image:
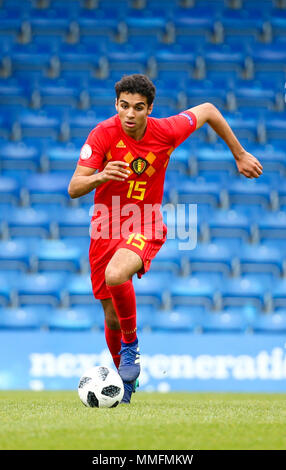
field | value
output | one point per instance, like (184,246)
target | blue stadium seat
(245,125)
(20,156)
(144,39)
(174,57)
(273,322)
(100,22)
(215,159)
(48,187)
(242,291)
(10,20)
(78,290)
(247,312)
(243,21)
(72,319)
(62,157)
(278,22)
(9,190)
(205,91)
(193,290)
(40,288)
(229,223)
(23,318)
(275,124)
(74,222)
(197,191)
(266,6)
(14,254)
(127,60)
(80,123)
(268,57)
(278,294)
(145,22)
(195,20)
(13,92)
(199,39)
(249,191)
(184,222)
(272,225)
(254,94)
(50,20)
(79,56)
(167,95)
(27,222)
(225,57)
(38,124)
(174,321)
(211,256)
(58,255)
(101,93)
(31,57)
(170,258)
(261,258)
(223,322)
(266,278)
(57,92)
(5,290)
(180,159)
(151,288)
(145,315)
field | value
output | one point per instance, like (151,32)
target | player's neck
(136,135)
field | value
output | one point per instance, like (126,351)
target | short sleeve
(95,148)
(182,125)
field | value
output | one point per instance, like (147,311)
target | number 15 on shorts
(137,239)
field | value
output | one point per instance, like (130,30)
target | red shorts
(101,252)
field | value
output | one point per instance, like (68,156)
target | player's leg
(118,275)
(112,330)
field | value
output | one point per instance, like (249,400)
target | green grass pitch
(58,420)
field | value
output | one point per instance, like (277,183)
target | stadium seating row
(178,320)
(214,190)
(208,288)
(48,94)
(189,58)
(69,253)
(57,73)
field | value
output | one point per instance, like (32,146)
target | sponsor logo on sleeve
(86,152)
(187,116)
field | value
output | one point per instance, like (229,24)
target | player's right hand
(116,171)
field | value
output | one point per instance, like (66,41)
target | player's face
(133,110)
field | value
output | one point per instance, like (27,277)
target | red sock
(124,301)
(113,341)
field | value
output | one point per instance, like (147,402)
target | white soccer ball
(101,387)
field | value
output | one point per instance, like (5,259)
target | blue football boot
(129,368)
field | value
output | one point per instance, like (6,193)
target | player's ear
(150,109)
(116,104)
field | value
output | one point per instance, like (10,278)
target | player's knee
(114,276)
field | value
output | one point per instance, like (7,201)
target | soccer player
(125,159)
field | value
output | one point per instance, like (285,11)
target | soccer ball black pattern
(100,387)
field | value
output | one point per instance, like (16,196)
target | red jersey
(133,205)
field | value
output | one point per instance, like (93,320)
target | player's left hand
(248,165)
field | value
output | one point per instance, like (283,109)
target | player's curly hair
(136,83)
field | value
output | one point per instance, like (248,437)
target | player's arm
(246,163)
(85,179)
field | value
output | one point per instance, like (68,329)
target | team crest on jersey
(139,165)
